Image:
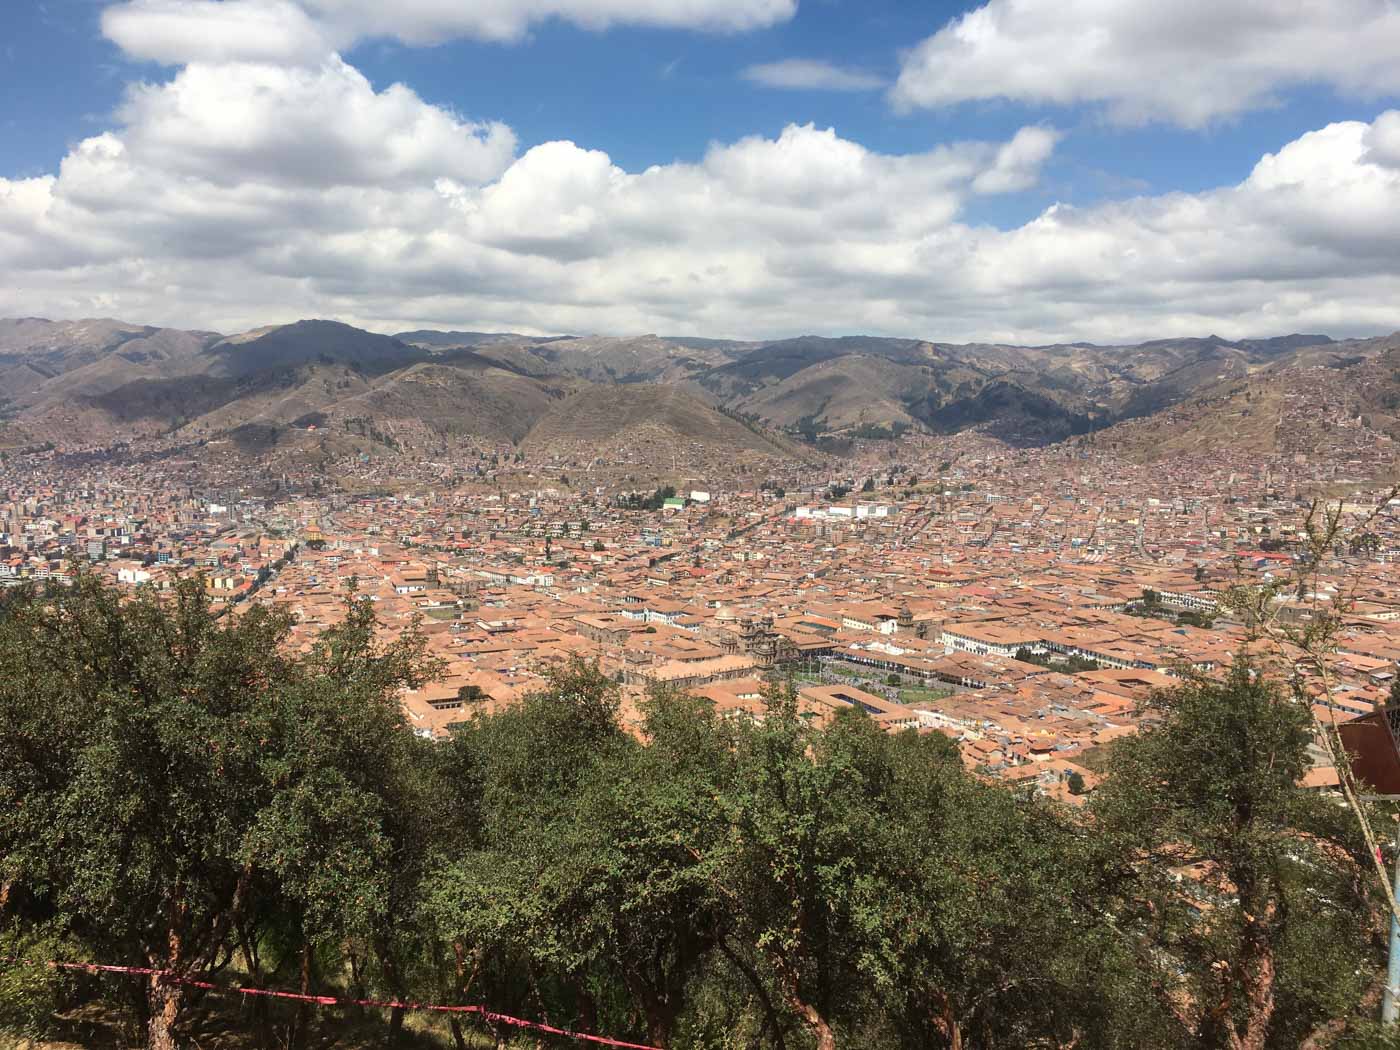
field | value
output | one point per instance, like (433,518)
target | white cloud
(293,31)
(811,75)
(1018,162)
(1383,140)
(231,124)
(179,31)
(1185,61)
(432,21)
(245,193)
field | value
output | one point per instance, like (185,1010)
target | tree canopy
(194,793)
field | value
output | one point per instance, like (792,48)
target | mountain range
(96,383)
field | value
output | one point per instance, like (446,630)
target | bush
(30,994)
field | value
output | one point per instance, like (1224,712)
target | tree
(1367,543)
(522,771)
(1075,782)
(1266,935)
(180,788)
(633,891)
(346,834)
(653,502)
(800,880)
(991,940)
(869,485)
(163,772)
(131,771)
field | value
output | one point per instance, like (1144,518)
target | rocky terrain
(95,383)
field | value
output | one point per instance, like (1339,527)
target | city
(1021,602)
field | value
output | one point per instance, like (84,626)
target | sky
(1014,171)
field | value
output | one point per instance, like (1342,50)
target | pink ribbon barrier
(331,1000)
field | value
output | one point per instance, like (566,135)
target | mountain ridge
(107,380)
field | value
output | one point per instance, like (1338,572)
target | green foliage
(1067,664)
(1267,934)
(1370,1035)
(802,880)
(880,432)
(185,790)
(161,769)
(653,502)
(29,993)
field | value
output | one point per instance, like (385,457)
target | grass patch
(923,696)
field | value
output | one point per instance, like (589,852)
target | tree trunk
(660,1017)
(1259,993)
(770,1013)
(163,997)
(661,1022)
(1216,1030)
(811,1016)
(164,1000)
(396,986)
(797,1002)
(262,1016)
(357,977)
(947,1021)
(587,1006)
(820,1026)
(1256,970)
(301,1020)
(465,978)
(464,982)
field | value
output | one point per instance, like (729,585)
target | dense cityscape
(1022,602)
